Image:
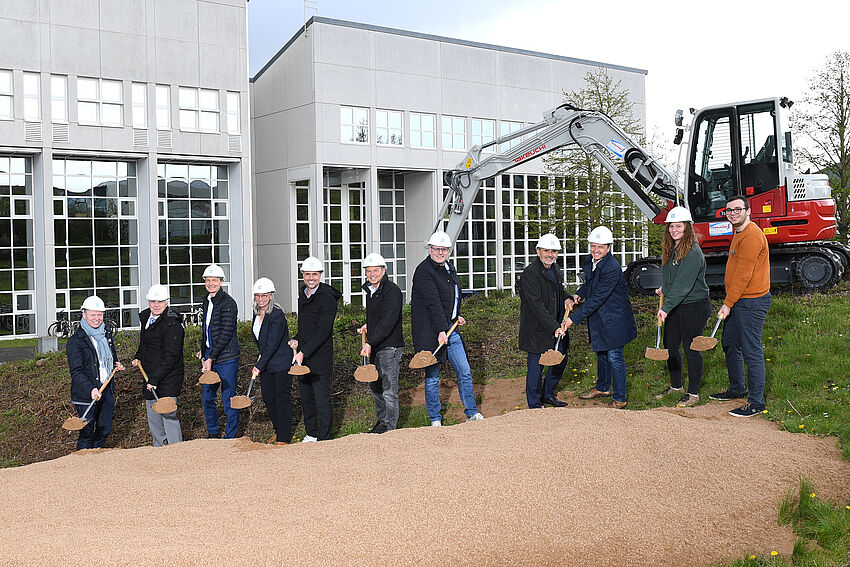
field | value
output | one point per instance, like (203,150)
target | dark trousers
(683,323)
(277,389)
(742,334)
(316,405)
(535,390)
(99,425)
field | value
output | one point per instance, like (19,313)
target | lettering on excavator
(530,153)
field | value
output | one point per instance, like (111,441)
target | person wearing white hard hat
(91,359)
(542,308)
(160,353)
(317,303)
(271,335)
(434,307)
(686,306)
(219,352)
(609,315)
(384,339)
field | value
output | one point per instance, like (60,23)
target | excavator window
(711,180)
(759,159)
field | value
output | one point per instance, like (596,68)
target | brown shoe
(594,393)
(616,405)
(273,438)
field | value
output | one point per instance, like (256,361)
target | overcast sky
(697,53)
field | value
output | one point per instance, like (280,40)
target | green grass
(12,343)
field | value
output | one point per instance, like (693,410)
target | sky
(697,53)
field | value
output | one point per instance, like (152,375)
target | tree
(822,121)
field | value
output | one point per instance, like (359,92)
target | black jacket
(275,354)
(316,316)
(383,316)
(225,344)
(161,352)
(541,307)
(84,366)
(431,303)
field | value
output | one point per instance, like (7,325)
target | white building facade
(124,155)
(353,126)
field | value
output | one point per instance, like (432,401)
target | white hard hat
(263,285)
(312,264)
(440,238)
(374,259)
(601,235)
(549,242)
(157,292)
(679,214)
(214,271)
(93,303)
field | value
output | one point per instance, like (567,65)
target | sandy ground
(587,486)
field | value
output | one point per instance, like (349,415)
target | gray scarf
(104,353)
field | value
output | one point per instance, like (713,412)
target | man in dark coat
(317,303)
(434,305)
(219,352)
(610,320)
(384,339)
(160,353)
(542,308)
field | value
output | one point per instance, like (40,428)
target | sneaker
(668,391)
(745,410)
(309,439)
(687,401)
(436,423)
(726,396)
(476,417)
(379,428)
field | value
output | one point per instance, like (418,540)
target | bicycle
(63,328)
(193,318)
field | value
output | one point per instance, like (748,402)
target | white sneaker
(436,423)
(309,439)
(476,417)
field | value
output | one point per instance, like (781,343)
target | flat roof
(406,33)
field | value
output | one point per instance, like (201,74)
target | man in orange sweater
(744,309)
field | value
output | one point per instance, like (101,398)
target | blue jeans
(457,358)
(385,389)
(742,334)
(611,369)
(535,390)
(99,419)
(227,371)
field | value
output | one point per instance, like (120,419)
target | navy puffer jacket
(225,344)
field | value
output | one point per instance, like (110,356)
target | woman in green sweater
(686,307)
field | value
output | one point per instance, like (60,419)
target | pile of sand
(588,486)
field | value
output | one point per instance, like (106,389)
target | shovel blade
(209,377)
(299,370)
(366,373)
(422,359)
(657,353)
(551,357)
(165,405)
(240,402)
(703,343)
(73,424)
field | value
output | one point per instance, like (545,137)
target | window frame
(32,79)
(100,102)
(199,110)
(55,99)
(453,134)
(387,128)
(352,125)
(233,99)
(421,131)
(9,94)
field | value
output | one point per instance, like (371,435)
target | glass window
(483,131)
(100,102)
(163,107)
(17,268)
(233,126)
(199,109)
(454,133)
(391,223)
(423,130)
(32,98)
(506,128)
(388,127)
(140,106)
(59,98)
(354,124)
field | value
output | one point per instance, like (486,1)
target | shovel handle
(145,376)
(450,331)
(660,305)
(294,352)
(362,344)
(99,391)
(716,326)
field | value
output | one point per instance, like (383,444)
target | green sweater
(684,282)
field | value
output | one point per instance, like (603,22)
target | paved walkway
(17,353)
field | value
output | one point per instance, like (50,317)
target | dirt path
(587,486)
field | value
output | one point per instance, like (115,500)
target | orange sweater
(748,266)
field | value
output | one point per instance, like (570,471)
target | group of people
(546,314)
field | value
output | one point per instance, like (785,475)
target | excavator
(741,148)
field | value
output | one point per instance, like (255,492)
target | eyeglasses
(439,249)
(736,210)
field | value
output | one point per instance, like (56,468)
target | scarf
(104,353)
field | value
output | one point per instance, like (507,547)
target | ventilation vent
(32,131)
(798,188)
(140,138)
(163,139)
(234,143)
(60,134)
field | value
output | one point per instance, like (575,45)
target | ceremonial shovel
(242,402)
(706,343)
(554,357)
(209,377)
(658,353)
(367,372)
(164,405)
(298,369)
(76,423)
(425,358)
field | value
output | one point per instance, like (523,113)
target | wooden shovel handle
(108,380)
(452,328)
(363,338)
(144,374)
(660,304)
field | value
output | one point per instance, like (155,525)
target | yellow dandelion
(802,426)
(764,411)
(848,507)
(774,553)
(752,557)
(767,359)
(812,495)
(516,407)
